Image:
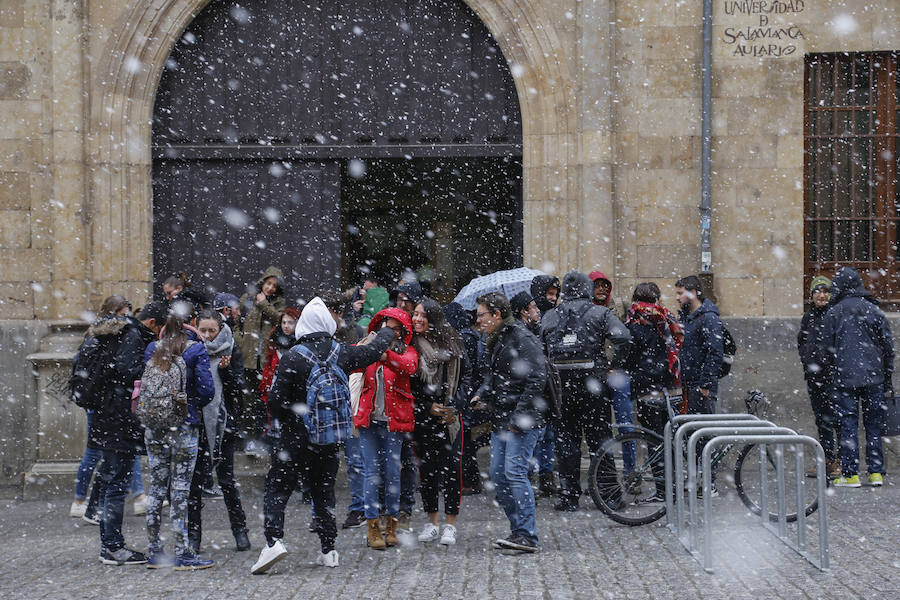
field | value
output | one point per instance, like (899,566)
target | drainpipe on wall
(706,145)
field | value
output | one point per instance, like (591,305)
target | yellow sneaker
(851,482)
(876,479)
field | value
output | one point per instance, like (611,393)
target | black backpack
(729,349)
(89,372)
(553,390)
(569,341)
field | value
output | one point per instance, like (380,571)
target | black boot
(547,485)
(241,540)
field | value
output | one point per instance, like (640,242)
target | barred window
(851,167)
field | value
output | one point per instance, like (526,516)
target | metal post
(706,142)
(801,495)
(763,485)
(779,486)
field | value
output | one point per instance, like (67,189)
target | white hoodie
(315,318)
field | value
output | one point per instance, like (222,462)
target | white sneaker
(448,535)
(77,509)
(268,557)
(140,506)
(329,559)
(429,533)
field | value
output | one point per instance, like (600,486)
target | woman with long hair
(441,372)
(173,452)
(280,341)
(219,427)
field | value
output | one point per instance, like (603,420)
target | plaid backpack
(327,417)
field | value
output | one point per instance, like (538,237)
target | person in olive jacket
(818,372)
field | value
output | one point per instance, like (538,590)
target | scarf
(214,415)
(431,360)
(668,328)
(494,337)
(222,345)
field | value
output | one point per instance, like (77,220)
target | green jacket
(259,321)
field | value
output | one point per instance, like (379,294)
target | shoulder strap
(307,354)
(335,351)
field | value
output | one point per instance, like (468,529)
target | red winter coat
(398,398)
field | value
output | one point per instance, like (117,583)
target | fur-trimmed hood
(108,325)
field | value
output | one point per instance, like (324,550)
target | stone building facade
(610,95)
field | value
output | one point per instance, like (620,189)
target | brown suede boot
(834,468)
(374,539)
(390,532)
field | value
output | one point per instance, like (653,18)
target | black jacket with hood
(858,336)
(289,387)
(114,426)
(703,349)
(412,289)
(596,325)
(812,345)
(539,286)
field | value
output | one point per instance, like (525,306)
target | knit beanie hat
(819,281)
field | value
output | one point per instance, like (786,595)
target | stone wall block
(670,117)
(739,80)
(16,301)
(12,13)
(15,229)
(738,295)
(14,80)
(15,191)
(789,153)
(667,261)
(672,44)
(20,155)
(25,264)
(21,119)
(747,151)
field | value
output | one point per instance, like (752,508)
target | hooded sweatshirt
(260,319)
(578,330)
(857,335)
(539,286)
(619,308)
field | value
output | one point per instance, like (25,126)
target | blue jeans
(511,453)
(89,463)
(874,410)
(380,451)
(623,408)
(543,452)
(115,474)
(355,473)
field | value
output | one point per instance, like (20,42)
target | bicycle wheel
(747,483)
(627,478)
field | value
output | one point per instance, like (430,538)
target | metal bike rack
(667,445)
(687,426)
(798,441)
(748,429)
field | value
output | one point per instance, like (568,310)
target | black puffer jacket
(812,346)
(595,325)
(516,376)
(858,335)
(114,426)
(289,388)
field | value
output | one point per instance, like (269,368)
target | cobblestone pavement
(584,555)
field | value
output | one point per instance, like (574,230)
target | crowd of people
(408,390)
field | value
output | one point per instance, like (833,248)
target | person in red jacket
(385,413)
(280,341)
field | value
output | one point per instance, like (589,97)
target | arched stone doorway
(123,92)
(336,138)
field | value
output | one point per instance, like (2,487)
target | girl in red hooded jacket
(385,413)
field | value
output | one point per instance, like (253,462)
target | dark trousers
(824,407)
(320,465)
(698,404)
(585,415)
(115,474)
(874,409)
(409,474)
(225,474)
(438,469)
(653,415)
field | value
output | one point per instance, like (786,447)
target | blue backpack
(327,417)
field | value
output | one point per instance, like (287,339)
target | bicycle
(626,477)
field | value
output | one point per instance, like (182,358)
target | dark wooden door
(262,104)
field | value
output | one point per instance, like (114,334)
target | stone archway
(124,89)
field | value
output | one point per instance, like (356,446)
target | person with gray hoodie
(575,334)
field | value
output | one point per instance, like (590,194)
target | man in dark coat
(116,431)
(702,352)
(861,353)
(294,450)
(514,389)
(817,372)
(575,335)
